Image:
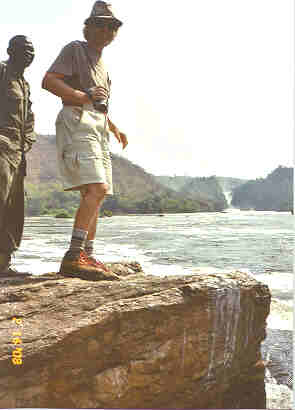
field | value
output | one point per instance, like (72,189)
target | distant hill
(207,188)
(273,193)
(135,189)
(176,182)
(213,188)
(42,163)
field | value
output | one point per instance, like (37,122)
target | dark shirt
(16,116)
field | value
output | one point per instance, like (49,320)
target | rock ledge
(143,342)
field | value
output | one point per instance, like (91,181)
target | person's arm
(64,66)
(30,135)
(54,83)
(121,137)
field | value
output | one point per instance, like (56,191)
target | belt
(98,107)
(65,104)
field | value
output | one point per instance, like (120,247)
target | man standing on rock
(79,78)
(16,138)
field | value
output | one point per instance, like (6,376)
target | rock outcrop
(143,342)
(277,352)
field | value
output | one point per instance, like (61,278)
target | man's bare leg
(89,243)
(93,225)
(92,196)
(75,260)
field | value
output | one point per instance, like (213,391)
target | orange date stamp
(17,353)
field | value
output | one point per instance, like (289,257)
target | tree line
(50,199)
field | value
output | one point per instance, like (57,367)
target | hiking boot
(109,275)
(95,262)
(78,266)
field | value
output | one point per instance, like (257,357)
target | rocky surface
(143,342)
(277,351)
(278,397)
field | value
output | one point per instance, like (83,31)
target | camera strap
(92,66)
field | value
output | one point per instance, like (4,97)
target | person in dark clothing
(16,138)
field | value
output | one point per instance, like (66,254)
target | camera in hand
(100,105)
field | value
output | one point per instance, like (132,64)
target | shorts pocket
(72,118)
(71,160)
(77,113)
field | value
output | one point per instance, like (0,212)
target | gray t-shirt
(73,62)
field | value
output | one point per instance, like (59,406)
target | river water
(260,243)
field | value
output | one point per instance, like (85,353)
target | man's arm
(53,82)
(30,136)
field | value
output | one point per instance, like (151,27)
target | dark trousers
(11,206)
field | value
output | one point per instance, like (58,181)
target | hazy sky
(201,87)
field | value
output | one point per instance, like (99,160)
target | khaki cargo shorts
(82,140)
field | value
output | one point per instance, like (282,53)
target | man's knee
(95,192)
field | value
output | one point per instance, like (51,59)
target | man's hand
(98,93)
(124,140)
(121,137)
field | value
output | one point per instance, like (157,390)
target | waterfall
(226,188)
(224,312)
(228,196)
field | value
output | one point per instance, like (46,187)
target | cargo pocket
(70,160)
(91,166)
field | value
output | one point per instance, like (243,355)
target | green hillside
(206,188)
(273,193)
(176,182)
(136,191)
